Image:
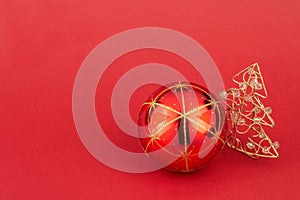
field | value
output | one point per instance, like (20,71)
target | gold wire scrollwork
(248,118)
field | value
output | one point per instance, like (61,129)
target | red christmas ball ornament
(182,127)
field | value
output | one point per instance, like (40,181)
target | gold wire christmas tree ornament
(248,118)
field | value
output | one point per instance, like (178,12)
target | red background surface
(42,44)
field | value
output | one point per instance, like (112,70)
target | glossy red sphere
(182,127)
